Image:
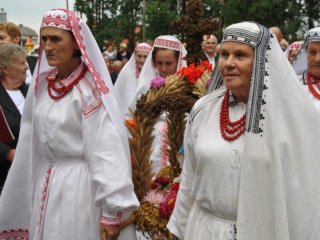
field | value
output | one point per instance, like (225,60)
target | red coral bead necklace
(63,90)
(230,131)
(311,87)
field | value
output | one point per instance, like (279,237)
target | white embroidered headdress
(91,56)
(127,81)
(149,72)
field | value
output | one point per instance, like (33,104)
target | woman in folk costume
(307,65)
(127,81)
(251,164)
(166,58)
(293,50)
(71,175)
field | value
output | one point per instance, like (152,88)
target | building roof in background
(26,31)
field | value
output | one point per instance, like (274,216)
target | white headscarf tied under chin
(127,81)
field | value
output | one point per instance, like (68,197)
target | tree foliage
(159,15)
(288,15)
(109,19)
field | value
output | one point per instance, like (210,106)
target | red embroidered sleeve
(111,221)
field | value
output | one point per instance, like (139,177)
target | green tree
(159,14)
(312,13)
(288,15)
(109,19)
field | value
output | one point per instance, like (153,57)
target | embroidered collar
(69,80)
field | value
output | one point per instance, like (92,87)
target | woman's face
(236,62)
(313,56)
(141,57)
(59,46)
(15,74)
(166,62)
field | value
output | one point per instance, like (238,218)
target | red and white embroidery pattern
(15,234)
(90,102)
(143,47)
(44,194)
(59,21)
(75,22)
(109,221)
(169,44)
(165,43)
(69,21)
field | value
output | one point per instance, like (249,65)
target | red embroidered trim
(74,20)
(111,221)
(19,233)
(57,21)
(63,90)
(44,197)
(137,72)
(164,145)
(143,47)
(167,44)
(91,107)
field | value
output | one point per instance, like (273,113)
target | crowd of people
(251,160)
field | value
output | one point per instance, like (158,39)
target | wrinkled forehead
(315,46)
(56,18)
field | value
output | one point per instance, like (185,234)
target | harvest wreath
(175,97)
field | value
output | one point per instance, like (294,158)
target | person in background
(110,51)
(293,50)
(10,33)
(13,91)
(307,65)
(123,54)
(209,47)
(127,80)
(243,175)
(277,32)
(71,174)
(108,62)
(116,67)
(166,58)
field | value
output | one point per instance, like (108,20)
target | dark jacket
(32,61)
(13,118)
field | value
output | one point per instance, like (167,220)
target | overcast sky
(30,12)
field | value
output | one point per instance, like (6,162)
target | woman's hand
(10,154)
(109,232)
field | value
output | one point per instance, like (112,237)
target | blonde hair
(11,29)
